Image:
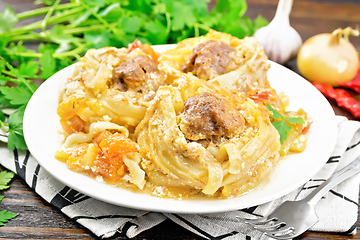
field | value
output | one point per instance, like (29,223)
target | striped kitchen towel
(338,210)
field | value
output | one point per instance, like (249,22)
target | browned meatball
(139,73)
(207,115)
(211,59)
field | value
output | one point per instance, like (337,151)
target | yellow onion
(329,58)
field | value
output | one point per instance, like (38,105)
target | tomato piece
(101,136)
(116,146)
(73,125)
(260,96)
(304,127)
(76,153)
(135,44)
(145,48)
(82,156)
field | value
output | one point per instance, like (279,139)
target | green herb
(67,30)
(5,178)
(14,98)
(283,124)
(5,216)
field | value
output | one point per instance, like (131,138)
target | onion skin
(328,58)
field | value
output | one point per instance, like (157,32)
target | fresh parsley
(5,216)
(5,178)
(13,101)
(283,124)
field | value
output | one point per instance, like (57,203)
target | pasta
(188,123)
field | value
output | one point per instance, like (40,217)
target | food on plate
(329,57)
(192,122)
(241,65)
(200,135)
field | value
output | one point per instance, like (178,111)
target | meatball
(206,115)
(211,59)
(139,73)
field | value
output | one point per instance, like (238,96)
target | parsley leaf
(29,69)
(157,33)
(2,116)
(275,114)
(131,24)
(16,135)
(14,51)
(98,40)
(200,5)
(8,19)
(6,216)
(16,139)
(20,79)
(143,6)
(48,63)
(259,22)
(283,129)
(16,96)
(178,20)
(281,123)
(112,12)
(5,178)
(295,120)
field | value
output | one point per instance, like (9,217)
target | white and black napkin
(338,210)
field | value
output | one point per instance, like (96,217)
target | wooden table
(39,220)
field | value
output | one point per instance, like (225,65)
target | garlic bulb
(280,41)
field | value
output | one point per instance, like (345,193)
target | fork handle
(338,177)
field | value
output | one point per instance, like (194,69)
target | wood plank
(45,233)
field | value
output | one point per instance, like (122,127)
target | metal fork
(293,218)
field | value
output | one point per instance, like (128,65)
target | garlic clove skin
(280,45)
(280,41)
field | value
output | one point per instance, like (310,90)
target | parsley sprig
(5,178)
(13,101)
(283,124)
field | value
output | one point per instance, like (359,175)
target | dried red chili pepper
(342,98)
(353,84)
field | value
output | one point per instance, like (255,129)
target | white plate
(41,125)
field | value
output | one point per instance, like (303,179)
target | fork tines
(271,227)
